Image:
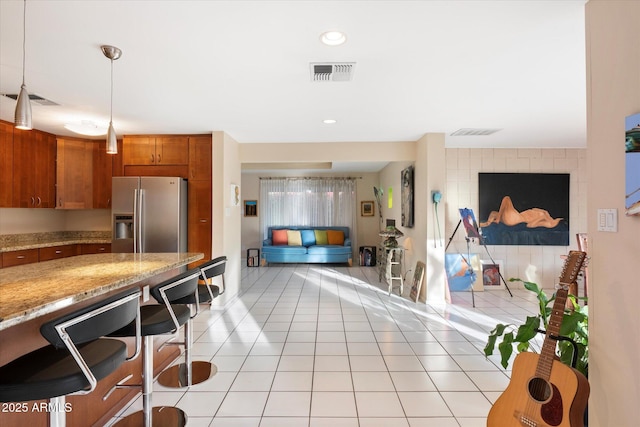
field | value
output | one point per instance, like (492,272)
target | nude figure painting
(524,208)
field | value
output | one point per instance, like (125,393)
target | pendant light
(112,53)
(23,107)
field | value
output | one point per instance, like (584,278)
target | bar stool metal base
(161,416)
(177,376)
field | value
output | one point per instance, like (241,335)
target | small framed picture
(250,208)
(367,208)
(491,274)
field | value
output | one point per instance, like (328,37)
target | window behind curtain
(308,201)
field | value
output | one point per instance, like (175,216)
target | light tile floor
(315,346)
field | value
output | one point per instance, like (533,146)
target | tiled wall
(540,264)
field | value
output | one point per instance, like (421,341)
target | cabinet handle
(109,202)
(20,257)
(203,220)
(39,201)
(60,202)
(159,158)
(102,249)
(58,252)
(152,159)
(33,201)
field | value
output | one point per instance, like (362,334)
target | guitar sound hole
(540,390)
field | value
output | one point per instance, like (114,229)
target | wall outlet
(608,220)
(145,293)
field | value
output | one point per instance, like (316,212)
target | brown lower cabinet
(29,256)
(26,256)
(57,252)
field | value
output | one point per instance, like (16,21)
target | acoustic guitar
(544,392)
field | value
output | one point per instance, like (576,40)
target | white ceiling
(243,67)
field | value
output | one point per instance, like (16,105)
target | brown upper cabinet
(102,172)
(156,150)
(6,165)
(200,156)
(74,183)
(34,169)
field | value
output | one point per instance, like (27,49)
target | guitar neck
(548,352)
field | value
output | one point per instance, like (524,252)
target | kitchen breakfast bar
(32,294)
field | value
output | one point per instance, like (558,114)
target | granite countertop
(18,242)
(32,290)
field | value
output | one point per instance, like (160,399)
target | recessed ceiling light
(86,127)
(329,121)
(333,38)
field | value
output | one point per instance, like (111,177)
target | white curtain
(308,201)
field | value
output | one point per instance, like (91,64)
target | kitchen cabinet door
(25,256)
(199,224)
(172,150)
(57,252)
(6,165)
(34,169)
(139,150)
(74,177)
(102,173)
(200,156)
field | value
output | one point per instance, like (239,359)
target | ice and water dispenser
(123,226)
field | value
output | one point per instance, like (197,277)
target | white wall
(226,218)
(613,92)
(540,264)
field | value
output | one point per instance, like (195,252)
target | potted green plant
(575,326)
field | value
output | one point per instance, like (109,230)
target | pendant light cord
(111,112)
(24,37)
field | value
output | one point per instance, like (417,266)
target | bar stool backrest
(177,287)
(94,321)
(214,268)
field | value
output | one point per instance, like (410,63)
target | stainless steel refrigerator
(149,214)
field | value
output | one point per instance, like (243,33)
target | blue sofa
(308,251)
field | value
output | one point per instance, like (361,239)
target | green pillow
(321,237)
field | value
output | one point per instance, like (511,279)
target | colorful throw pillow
(294,237)
(280,237)
(335,237)
(308,237)
(321,237)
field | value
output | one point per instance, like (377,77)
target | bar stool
(159,319)
(78,356)
(192,372)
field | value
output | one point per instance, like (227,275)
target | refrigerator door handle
(140,228)
(135,221)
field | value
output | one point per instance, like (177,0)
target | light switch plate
(145,293)
(608,220)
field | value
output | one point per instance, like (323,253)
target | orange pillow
(280,237)
(335,237)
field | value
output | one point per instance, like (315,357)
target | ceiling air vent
(35,98)
(331,71)
(474,132)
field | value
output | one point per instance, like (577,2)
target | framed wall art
(416,284)
(491,271)
(524,208)
(250,208)
(367,208)
(406,193)
(632,165)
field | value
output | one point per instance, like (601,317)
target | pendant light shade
(23,110)
(112,53)
(23,107)
(112,140)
